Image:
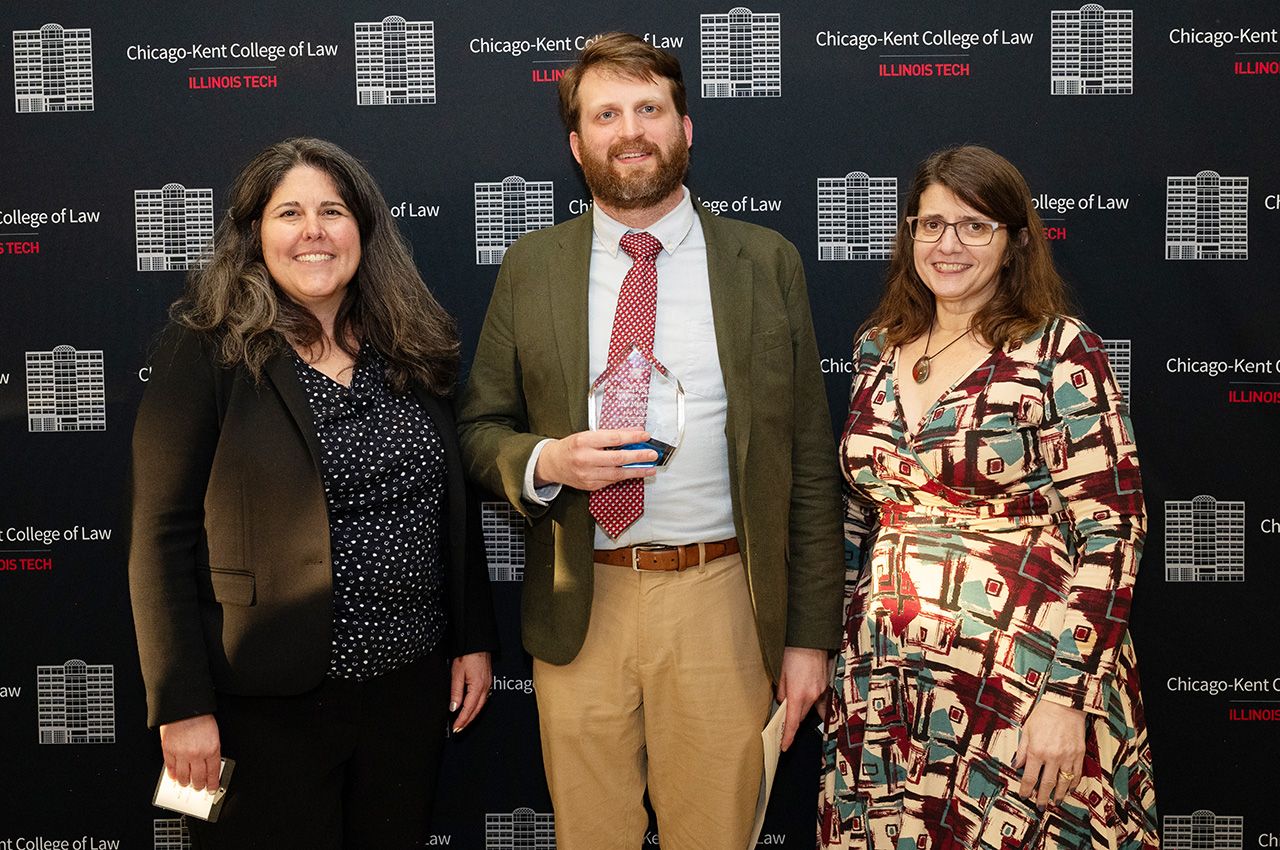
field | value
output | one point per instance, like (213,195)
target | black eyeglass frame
(954,225)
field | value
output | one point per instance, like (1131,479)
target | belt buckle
(643,547)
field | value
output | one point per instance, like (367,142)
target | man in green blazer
(659,639)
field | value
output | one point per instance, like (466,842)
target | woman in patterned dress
(986,695)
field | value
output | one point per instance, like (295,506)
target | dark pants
(348,765)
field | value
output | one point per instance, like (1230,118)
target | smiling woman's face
(310,240)
(964,277)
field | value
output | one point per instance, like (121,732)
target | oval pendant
(920,371)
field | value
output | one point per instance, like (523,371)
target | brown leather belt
(667,557)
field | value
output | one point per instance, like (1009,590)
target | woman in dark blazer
(309,587)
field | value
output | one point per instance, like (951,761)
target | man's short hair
(627,56)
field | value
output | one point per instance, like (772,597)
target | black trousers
(348,765)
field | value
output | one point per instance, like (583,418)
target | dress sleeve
(859,513)
(857,527)
(1086,440)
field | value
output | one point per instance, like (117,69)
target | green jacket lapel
(732,284)
(567,274)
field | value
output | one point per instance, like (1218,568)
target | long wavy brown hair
(386,305)
(1029,291)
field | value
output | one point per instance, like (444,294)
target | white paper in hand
(772,738)
(185,799)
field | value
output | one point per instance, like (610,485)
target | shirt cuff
(1087,693)
(538,495)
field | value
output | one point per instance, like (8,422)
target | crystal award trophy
(637,392)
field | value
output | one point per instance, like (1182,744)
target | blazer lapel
(442,415)
(732,286)
(280,372)
(567,276)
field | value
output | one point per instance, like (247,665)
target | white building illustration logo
(508,210)
(76,703)
(1207,218)
(171,834)
(173,228)
(503,541)
(1092,51)
(1204,540)
(66,390)
(1120,355)
(53,69)
(523,829)
(1203,830)
(742,54)
(395,62)
(857,217)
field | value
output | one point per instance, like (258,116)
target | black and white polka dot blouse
(384,481)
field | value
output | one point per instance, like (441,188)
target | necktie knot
(641,246)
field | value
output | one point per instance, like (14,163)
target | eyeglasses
(970,232)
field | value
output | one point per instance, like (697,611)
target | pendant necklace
(920,371)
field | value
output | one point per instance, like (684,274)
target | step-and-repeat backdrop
(1141,127)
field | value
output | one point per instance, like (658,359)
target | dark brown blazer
(229,564)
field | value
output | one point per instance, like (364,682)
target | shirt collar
(671,230)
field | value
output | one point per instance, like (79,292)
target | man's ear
(574,144)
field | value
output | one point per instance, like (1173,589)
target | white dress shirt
(688,500)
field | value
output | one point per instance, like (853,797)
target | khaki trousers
(669,690)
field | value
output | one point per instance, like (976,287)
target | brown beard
(637,191)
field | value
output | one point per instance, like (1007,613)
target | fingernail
(457,729)
(453,706)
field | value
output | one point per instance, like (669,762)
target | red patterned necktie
(620,504)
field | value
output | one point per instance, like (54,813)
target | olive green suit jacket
(529,381)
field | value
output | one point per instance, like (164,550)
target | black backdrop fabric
(1142,130)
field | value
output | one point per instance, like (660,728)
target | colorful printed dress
(991,560)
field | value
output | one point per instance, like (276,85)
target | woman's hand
(470,681)
(192,751)
(1051,752)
